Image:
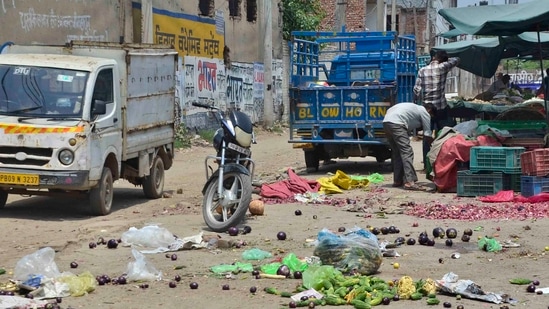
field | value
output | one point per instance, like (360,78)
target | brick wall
(355,19)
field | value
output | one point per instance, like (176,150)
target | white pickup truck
(75,118)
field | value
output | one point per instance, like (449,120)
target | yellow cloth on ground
(339,182)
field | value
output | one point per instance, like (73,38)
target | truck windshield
(32,91)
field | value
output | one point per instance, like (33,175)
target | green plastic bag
(314,276)
(294,263)
(271,268)
(489,244)
(233,268)
(375,178)
(256,254)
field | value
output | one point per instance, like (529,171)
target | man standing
(430,87)
(399,121)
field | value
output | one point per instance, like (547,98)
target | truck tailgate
(340,108)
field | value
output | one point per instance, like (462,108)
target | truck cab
(75,118)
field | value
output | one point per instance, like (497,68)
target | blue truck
(341,85)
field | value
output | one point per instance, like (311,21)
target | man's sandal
(414,187)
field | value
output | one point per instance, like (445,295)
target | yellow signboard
(190,35)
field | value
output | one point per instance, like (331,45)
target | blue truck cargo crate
(341,85)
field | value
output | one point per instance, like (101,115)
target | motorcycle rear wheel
(222,213)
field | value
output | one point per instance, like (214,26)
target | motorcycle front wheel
(223,211)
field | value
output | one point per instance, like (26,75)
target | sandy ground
(64,224)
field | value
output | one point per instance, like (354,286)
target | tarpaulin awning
(482,56)
(503,20)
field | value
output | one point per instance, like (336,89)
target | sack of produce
(356,251)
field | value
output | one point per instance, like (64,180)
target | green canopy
(508,19)
(482,56)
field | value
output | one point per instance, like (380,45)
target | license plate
(19,179)
(240,149)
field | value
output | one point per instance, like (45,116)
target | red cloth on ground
(509,196)
(500,197)
(289,187)
(456,149)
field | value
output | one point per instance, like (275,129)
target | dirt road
(64,224)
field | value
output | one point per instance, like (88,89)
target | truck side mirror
(99,108)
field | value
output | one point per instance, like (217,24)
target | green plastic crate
(514,125)
(496,159)
(478,184)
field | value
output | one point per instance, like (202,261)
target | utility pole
(393,15)
(365,14)
(340,14)
(428,26)
(380,15)
(268,107)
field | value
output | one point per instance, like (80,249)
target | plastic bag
(79,285)
(375,178)
(293,263)
(270,268)
(150,236)
(232,268)
(314,276)
(489,244)
(354,252)
(38,263)
(141,269)
(255,254)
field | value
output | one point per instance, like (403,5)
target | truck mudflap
(39,179)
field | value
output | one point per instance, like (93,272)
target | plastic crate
(512,182)
(535,162)
(478,184)
(533,185)
(528,143)
(496,159)
(514,125)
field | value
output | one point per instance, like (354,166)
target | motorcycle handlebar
(197,104)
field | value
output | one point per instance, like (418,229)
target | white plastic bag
(141,269)
(38,263)
(150,236)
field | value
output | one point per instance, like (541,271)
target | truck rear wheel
(102,195)
(311,160)
(3,198)
(153,185)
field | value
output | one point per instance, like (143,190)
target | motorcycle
(228,189)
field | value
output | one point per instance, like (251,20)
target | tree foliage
(301,15)
(520,64)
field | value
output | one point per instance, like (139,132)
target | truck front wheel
(102,195)
(153,185)
(3,198)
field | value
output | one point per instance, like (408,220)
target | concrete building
(223,44)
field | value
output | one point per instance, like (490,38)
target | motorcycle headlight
(243,138)
(66,156)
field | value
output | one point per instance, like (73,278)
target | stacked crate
(491,169)
(535,168)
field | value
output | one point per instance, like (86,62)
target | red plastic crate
(535,162)
(528,143)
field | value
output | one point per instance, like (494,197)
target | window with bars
(234,8)
(251,10)
(206,7)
